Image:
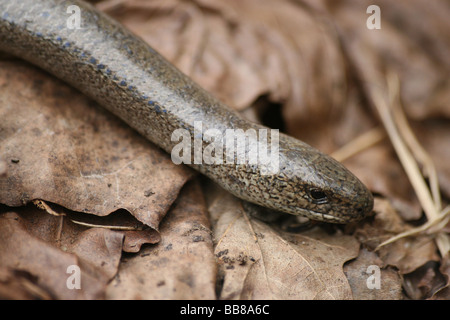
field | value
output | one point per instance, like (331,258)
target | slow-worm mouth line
(325,217)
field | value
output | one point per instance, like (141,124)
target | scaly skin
(126,76)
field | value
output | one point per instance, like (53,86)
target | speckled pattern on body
(126,76)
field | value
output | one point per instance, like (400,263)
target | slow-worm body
(126,76)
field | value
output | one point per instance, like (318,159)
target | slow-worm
(126,76)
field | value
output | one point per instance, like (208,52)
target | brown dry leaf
(425,282)
(19,285)
(181,265)
(357,273)
(134,240)
(434,135)
(258,262)
(417,52)
(406,254)
(444,292)
(45,266)
(59,147)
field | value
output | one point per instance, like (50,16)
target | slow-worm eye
(317,195)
